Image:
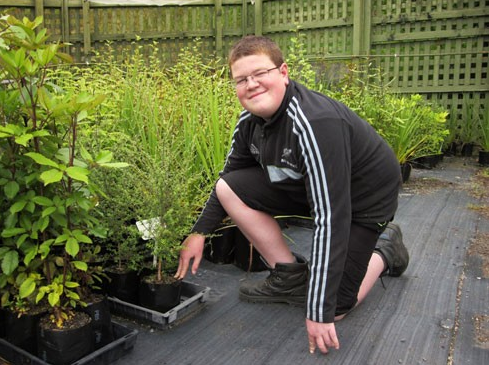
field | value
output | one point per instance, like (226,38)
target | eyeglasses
(256,76)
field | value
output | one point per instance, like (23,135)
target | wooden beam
(361,27)
(65,21)
(87,43)
(258,17)
(219,27)
(39,8)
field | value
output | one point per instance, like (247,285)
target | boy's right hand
(193,248)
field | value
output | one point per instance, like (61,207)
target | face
(261,96)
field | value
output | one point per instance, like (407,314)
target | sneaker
(392,250)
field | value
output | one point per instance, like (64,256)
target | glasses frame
(243,81)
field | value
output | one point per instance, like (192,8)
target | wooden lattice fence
(438,48)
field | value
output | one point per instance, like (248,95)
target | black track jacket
(349,173)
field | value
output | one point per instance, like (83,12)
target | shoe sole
(297,301)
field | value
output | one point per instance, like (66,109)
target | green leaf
(45,248)
(80,265)
(27,287)
(53,299)
(24,139)
(18,206)
(82,115)
(21,240)
(61,238)
(10,262)
(10,232)
(11,189)
(85,154)
(104,157)
(42,160)
(72,247)
(71,284)
(78,173)
(29,256)
(81,237)
(43,223)
(48,211)
(43,201)
(51,176)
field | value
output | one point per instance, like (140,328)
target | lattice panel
(400,7)
(438,48)
(289,13)
(151,22)
(326,24)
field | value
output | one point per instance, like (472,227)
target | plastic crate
(124,342)
(193,298)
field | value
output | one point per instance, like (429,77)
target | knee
(222,190)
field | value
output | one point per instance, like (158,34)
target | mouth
(254,95)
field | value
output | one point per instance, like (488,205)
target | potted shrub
(173,207)
(484,138)
(48,203)
(468,128)
(120,207)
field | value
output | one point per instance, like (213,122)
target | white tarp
(145,2)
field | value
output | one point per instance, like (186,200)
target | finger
(332,340)
(195,264)
(182,269)
(321,345)
(312,345)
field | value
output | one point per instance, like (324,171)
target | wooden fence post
(65,22)
(87,42)
(219,25)
(361,28)
(244,17)
(258,17)
(39,8)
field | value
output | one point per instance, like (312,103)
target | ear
(284,70)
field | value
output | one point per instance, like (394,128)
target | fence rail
(435,47)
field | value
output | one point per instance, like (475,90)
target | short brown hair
(254,45)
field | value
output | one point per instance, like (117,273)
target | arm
(327,174)
(213,212)
(325,151)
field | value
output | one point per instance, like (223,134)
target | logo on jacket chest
(286,157)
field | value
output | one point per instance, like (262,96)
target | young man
(295,151)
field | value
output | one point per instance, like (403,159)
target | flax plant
(484,130)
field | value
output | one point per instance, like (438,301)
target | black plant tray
(193,298)
(123,344)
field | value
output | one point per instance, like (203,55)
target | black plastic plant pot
(2,323)
(64,346)
(123,285)
(99,311)
(21,331)
(484,158)
(220,248)
(467,149)
(427,162)
(405,171)
(246,257)
(159,297)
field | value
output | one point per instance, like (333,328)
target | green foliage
(47,199)
(300,69)
(484,130)
(410,125)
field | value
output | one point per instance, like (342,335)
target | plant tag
(148,227)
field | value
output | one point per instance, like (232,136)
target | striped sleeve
(326,270)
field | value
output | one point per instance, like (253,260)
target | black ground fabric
(436,313)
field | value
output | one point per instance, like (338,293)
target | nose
(251,82)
